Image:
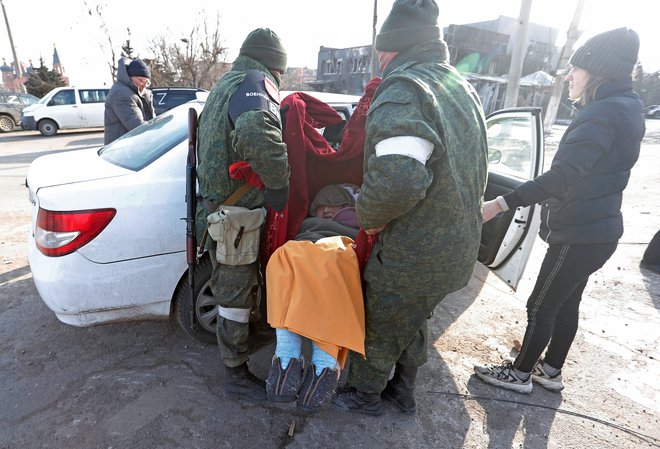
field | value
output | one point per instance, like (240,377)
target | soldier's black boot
(356,401)
(240,383)
(400,390)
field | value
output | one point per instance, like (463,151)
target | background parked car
(66,108)
(166,98)
(11,105)
(652,111)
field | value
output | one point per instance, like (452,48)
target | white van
(66,108)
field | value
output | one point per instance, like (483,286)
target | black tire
(47,127)
(6,124)
(199,319)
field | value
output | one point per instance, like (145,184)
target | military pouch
(237,231)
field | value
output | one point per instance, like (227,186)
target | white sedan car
(107,242)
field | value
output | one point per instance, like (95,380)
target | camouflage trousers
(396,332)
(232,286)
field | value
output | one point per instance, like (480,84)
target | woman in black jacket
(581,205)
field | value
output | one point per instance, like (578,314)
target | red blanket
(314,164)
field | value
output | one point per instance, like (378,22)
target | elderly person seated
(314,291)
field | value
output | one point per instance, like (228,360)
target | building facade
(13,83)
(481,51)
(343,70)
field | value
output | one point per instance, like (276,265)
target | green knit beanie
(264,46)
(410,22)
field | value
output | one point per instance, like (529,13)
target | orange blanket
(314,290)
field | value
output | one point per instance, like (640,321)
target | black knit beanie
(410,22)
(264,46)
(137,67)
(612,54)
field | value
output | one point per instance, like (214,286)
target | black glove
(276,199)
(283,112)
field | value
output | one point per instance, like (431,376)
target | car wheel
(199,319)
(47,127)
(6,124)
(656,115)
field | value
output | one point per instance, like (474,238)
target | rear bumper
(84,293)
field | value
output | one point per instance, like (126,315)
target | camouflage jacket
(432,211)
(257,139)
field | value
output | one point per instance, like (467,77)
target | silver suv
(11,105)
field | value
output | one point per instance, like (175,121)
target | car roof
(197,89)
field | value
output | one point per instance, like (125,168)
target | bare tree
(196,60)
(97,10)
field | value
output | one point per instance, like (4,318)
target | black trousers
(652,252)
(553,306)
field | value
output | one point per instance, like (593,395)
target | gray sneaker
(552,383)
(503,376)
(282,385)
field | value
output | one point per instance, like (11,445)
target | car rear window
(149,141)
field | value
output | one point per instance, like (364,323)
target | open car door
(515,155)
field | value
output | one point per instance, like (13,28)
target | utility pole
(518,55)
(558,84)
(374,54)
(17,64)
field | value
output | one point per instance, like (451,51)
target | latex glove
(491,208)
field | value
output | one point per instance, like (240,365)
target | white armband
(414,147)
(502,202)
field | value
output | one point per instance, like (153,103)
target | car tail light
(61,233)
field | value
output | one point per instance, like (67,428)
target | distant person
(424,181)
(581,198)
(129,103)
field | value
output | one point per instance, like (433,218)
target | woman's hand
(491,208)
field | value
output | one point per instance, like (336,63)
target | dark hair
(589,92)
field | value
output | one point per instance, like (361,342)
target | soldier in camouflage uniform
(241,122)
(424,181)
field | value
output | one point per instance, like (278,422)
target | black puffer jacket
(582,191)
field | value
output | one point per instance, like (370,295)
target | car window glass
(93,95)
(149,141)
(12,99)
(510,142)
(29,99)
(64,97)
(177,98)
(159,98)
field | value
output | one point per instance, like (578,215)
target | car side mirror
(494,156)
(50,103)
